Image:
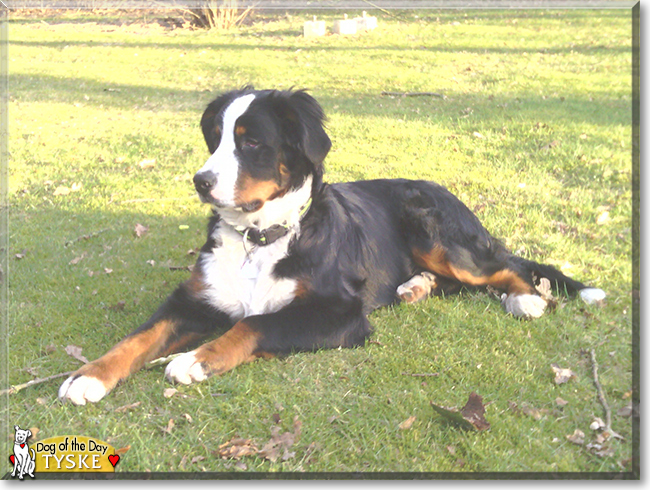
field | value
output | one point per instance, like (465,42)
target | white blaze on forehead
(223,162)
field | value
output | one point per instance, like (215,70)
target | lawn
(533,131)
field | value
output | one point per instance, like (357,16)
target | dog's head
(21,435)
(263,144)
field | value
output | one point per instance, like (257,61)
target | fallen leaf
(76,260)
(151,262)
(280,443)
(476,134)
(150,163)
(49,349)
(603,218)
(408,423)
(531,411)
(236,448)
(107,270)
(452,450)
(625,411)
(41,401)
(196,459)
(578,437)
(125,408)
(170,426)
(561,402)
(562,375)
(240,465)
(123,450)
(77,186)
(19,256)
(188,417)
(119,306)
(61,191)
(75,351)
(169,392)
(140,230)
(471,416)
(597,424)
(605,452)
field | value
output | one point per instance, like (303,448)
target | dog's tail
(559,281)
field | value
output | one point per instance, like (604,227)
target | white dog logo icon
(23,462)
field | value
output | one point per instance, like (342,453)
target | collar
(271,234)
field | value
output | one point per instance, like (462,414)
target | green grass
(549,93)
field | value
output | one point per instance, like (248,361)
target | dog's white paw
(524,305)
(185,369)
(82,389)
(592,295)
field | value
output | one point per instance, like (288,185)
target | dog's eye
(251,143)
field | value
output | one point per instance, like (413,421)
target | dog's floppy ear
(302,119)
(209,119)
(29,433)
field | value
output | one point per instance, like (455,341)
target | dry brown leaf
(122,450)
(408,423)
(625,411)
(532,411)
(170,426)
(188,417)
(578,437)
(75,351)
(140,230)
(149,163)
(562,375)
(34,431)
(196,459)
(561,402)
(125,408)
(597,424)
(279,444)
(471,416)
(603,218)
(76,260)
(61,191)
(169,392)
(237,448)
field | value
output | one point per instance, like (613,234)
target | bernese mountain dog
(294,264)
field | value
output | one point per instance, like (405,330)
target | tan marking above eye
(240,130)
(217,130)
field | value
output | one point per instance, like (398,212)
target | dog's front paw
(82,389)
(185,369)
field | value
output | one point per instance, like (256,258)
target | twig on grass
(161,361)
(414,94)
(17,388)
(85,237)
(602,399)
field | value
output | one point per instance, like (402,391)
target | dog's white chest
(242,284)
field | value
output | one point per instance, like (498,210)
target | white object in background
(313,28)
(345,26)
(366,23)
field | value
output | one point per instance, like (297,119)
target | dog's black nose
(204,182)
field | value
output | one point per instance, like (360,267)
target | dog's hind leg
(418,288)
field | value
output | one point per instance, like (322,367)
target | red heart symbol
(114,458)
(12,458)
(22,445)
